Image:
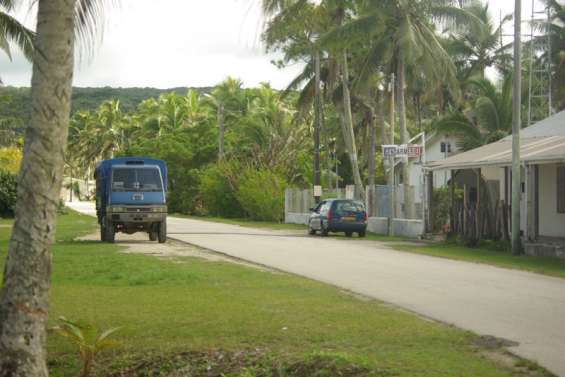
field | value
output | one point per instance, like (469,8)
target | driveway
(523,307)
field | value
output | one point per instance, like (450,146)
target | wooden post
(478,207)
(430,202)
(465,198)
(452,229)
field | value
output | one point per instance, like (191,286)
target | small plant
(87,339)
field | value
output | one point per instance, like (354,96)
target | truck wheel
(153,235)
(162,235)
(110,233)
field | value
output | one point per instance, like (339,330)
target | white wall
(434,153)
(551,223)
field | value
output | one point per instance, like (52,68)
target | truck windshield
(136,179)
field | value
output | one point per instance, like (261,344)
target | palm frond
(11,30)
(90,18)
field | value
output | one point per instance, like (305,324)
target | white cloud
(181,43)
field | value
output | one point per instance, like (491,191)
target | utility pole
(317,123)
(516,124)
(392,197)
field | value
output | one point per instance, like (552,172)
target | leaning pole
(516,123)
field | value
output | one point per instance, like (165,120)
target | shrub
(261,195)
(218,185)
(8,193)
(10,159)
(442,206)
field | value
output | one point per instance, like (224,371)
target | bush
(261,194)
(218,185)
(442,206)
(8,193)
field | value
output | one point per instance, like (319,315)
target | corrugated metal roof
(550,126)
(543,142)
(532,150)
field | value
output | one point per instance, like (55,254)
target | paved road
(520,306)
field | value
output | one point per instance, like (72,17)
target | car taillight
(329,215)
(365,217)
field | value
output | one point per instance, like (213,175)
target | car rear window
(343,207)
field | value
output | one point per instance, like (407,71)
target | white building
(438,146)
(542,156)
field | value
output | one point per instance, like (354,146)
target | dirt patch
(257,363)
(495,349)
(138,243)
(490,342)
(5,226)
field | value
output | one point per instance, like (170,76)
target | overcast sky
(180,43)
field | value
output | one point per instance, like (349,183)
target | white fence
(377,201)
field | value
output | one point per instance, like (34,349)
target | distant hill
(85,98)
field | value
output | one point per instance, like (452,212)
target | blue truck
(131,197)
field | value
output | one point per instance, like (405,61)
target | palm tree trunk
(408,199)
(348,128)
(24,296)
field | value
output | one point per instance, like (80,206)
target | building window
(561,189)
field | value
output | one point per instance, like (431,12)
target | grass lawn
(174,305)
(487,255)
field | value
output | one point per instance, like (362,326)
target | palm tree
(24,296)
(13,32)
(557,35)
(477,46)
(229,101)
(488,119)
(403,38)
(294,28)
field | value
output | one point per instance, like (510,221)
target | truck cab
(131,197)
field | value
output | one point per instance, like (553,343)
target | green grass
(485,254)
(192,304)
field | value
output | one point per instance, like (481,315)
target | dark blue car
(338,215)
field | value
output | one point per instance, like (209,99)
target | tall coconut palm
(478,46)
(487,119)
(13,32)
(404,38)
(294,28)
(24,296)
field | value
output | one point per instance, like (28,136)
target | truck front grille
(139,209)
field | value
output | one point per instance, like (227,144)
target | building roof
(543,142)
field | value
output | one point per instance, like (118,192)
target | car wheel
(362,233)
(349,234)
(310,230)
